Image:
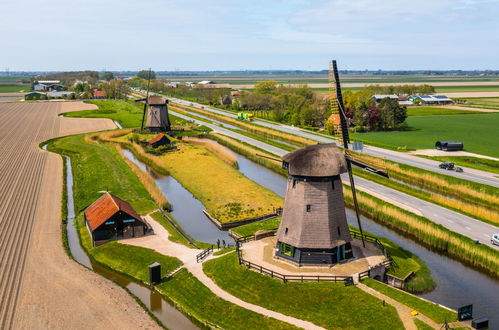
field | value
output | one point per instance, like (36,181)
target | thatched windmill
(155,112)
(314,229)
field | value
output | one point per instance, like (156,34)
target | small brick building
(110,218)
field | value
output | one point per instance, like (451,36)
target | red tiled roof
(98,93)
(158,138)
(105,207)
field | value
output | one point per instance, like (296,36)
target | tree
(107,76)
(144,74)
(265,87)
(392,114)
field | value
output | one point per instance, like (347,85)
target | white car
(495,239)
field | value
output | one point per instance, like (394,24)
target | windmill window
(294,183)
(309,208)
(339,232)
(332,184)
(286,231)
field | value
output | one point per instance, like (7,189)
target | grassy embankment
(476,200)
(431,310)
(491,103)
(300,300)
(14,88)
(99,167)
(250,127)
(265,138)
(199,171)
(475,131)
(482,164)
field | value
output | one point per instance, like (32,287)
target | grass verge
(300,300)
(431,310)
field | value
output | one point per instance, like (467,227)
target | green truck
(245,116)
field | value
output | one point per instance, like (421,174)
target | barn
(159,140)
(449,146)
(110,218)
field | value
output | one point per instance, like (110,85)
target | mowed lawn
(14,88)
(479,133)
(126,113)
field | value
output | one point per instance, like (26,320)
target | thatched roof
(156,100)
(316,161)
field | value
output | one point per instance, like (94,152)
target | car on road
(494,239)
(447,166)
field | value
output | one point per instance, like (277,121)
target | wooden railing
(205,253)
(178,228)
(348,280)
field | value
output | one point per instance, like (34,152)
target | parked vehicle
(245,116)
(494,239)
(447,166)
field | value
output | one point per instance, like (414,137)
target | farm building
(431,99)
(110,218)
(35,96)
(158,141)
(48,87)
(314,229)
(449,146)
(58,95)
(379,97)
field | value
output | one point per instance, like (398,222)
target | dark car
(447,166)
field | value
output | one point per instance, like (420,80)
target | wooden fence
(178,228)
(205,253)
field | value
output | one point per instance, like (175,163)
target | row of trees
(401,89)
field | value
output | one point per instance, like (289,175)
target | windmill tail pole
(147,98)
(346,140)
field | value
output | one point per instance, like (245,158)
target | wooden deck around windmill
(261,252)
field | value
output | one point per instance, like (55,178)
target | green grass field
(482,164)
(198,301)
(98,168)
(330,305)
(477,132)
(437,111)
(14,88)
(125,113)
(470,88)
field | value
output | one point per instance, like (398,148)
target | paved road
(472,228)
(400,157)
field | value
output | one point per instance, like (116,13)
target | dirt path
(40,286)
(160,243)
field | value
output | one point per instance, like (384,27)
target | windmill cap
(156,100)
(318,160)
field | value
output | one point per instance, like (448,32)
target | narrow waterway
(187,210)
(457,285)
(167,314)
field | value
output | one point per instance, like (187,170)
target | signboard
(465,313)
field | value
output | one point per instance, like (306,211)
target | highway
(472,228)
(399,157)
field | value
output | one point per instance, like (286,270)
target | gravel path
(40,286)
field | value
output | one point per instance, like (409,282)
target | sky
(248,35)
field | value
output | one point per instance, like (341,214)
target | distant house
(35,96)
(431,99)
(206,82)
(111,218)
(159,140)
(97,94)
(48,87)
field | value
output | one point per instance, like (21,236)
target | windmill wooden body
(314,229)
(157,114)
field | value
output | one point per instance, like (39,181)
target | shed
(111,218)
(98,94)
(35,96)
(159,140)
(449,146)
